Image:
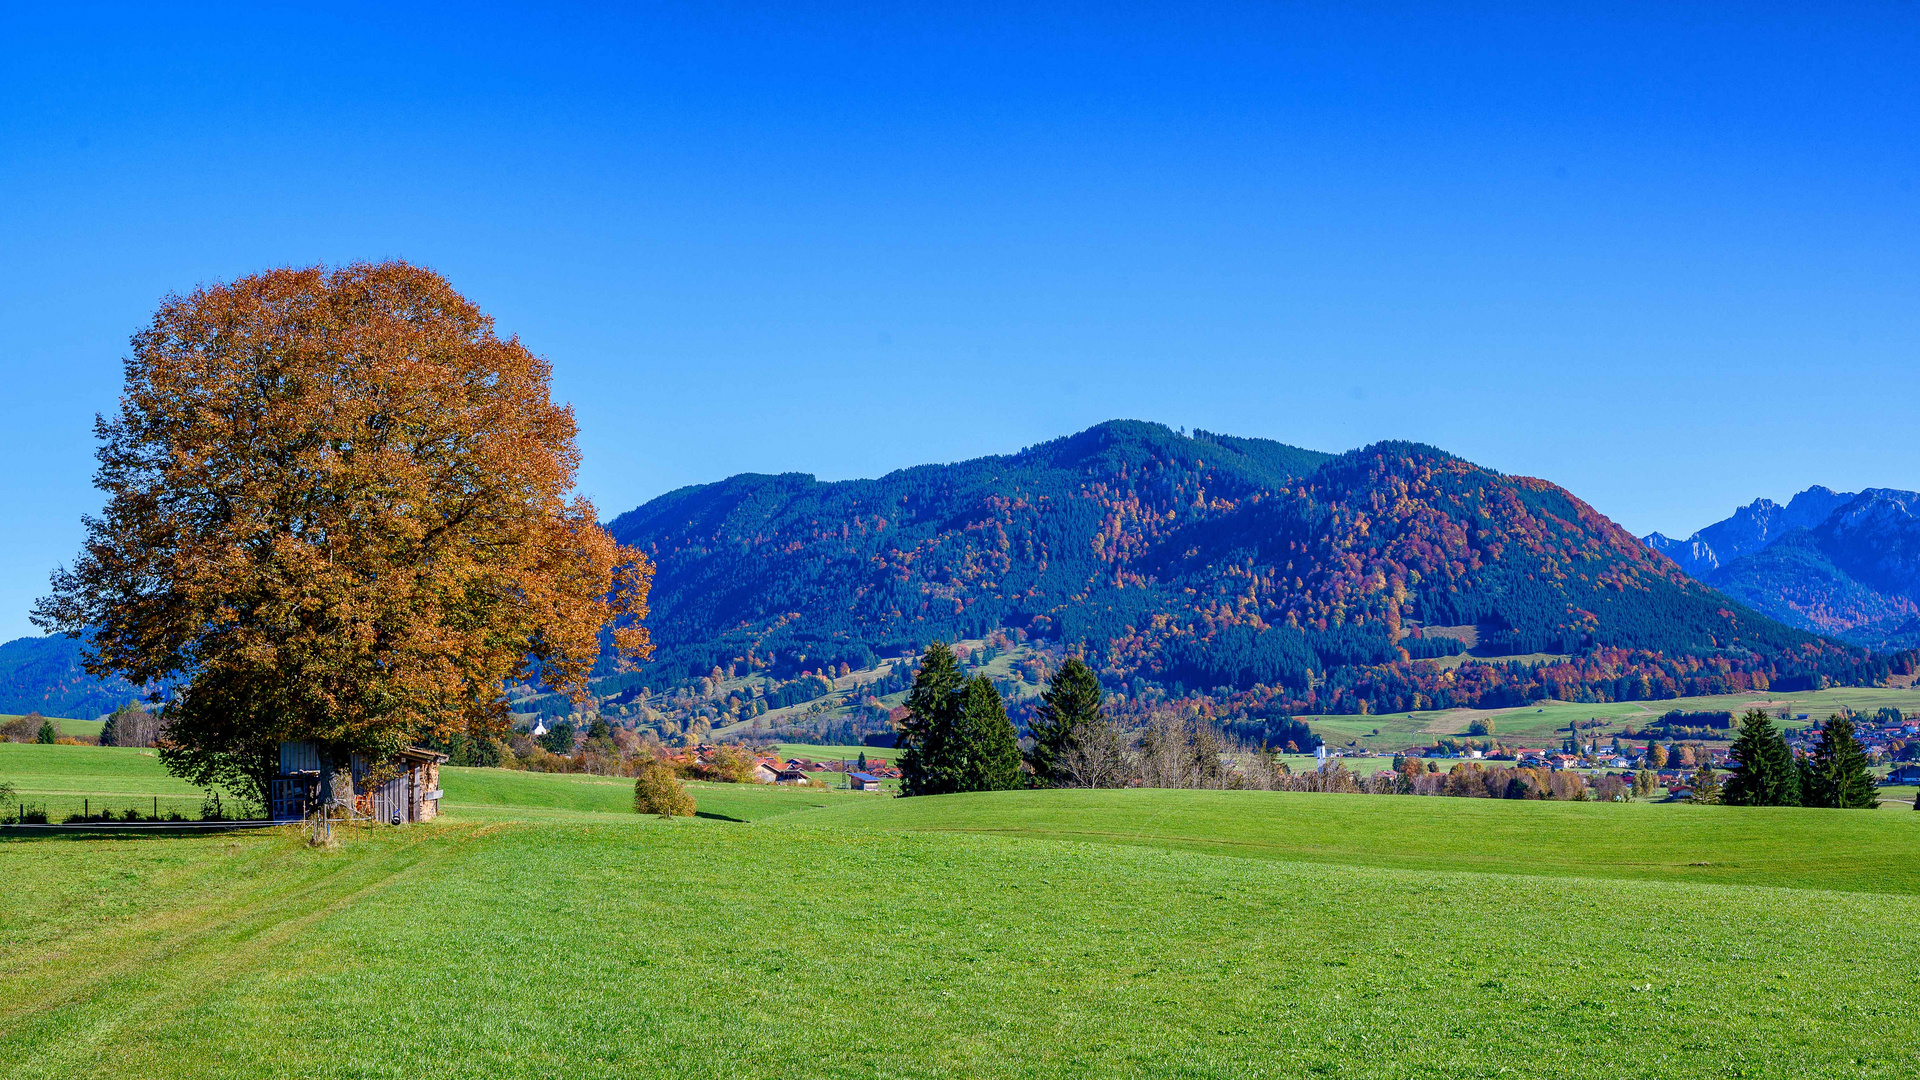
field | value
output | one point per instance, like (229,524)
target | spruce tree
(932,707)
(983,751)
(1071,703)
(1763,768)
(1837,774)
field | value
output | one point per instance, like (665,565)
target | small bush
(658,790)
(24,815)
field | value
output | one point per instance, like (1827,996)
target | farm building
(863,781)
(1905,774)
(412,793)
(771,771)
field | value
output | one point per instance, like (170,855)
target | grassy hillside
(109,777)
(539,929)
(1545,723)
(66,724)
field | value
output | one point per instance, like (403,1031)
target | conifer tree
(1837,773)
(983,751)
(932,707)
(1070,705)
(1763,771)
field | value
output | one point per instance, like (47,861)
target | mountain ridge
(1273,577)
(1853,573)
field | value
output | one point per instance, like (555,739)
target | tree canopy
(338,510)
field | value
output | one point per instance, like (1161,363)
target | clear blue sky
(1668,257)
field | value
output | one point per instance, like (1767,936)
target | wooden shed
(412,795)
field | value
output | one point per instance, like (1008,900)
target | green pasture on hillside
(833,753)
(539,928)
(1544,724)
(67,725)
(66,779)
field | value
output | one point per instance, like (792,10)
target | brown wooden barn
(413,795)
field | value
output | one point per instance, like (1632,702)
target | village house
(770,771)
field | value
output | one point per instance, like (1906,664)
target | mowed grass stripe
(163,947)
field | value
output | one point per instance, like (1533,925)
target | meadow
(540,928)
(1543,724)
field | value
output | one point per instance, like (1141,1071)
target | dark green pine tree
(1763,771)
(932,707)
(1071,703)
(1838,775)
(983,751)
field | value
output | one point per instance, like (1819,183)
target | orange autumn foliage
(337,510)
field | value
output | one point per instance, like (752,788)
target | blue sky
(1666,256)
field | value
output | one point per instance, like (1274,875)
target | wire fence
(63,807)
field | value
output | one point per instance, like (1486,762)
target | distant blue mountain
(1750,529)
(44,675)
(1841,564)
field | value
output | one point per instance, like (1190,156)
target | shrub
(21,728)
(658,790)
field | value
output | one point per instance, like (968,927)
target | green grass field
(834,753)
(67,725)
(539,928)
(1544,724)
(64,778)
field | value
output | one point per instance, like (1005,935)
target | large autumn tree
(338,509)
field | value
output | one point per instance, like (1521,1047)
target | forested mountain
(1273,578)
(1841,564)
(43,674)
